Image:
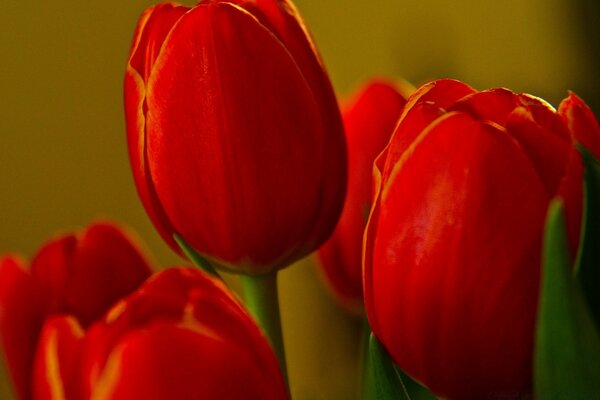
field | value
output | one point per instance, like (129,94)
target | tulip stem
(262,300)
(194,257)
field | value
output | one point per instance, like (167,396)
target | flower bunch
(462,226)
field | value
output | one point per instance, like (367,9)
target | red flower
(453,243)
(83,324)
(234,133)
(81,275)
(369,120)
(180,336)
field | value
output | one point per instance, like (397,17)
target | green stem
(260,293)
(365,380)
(194,257)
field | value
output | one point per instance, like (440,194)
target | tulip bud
(81,275)
(453,243)
(369,120)
(235,138)
(180,336)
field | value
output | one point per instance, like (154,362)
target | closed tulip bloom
(235,138)
(453,243)
(81,275)
(369,120)
(181,335)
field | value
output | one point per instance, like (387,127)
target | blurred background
(63,158)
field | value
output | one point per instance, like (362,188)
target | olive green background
(63,159)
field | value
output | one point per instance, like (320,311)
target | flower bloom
(234,133)
(87,321)
(81,275)
(369,120)
(453,243)
(181,335)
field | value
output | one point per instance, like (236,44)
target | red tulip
(234,133)
(181,335)
(369,120)
(453,243)
(81,275)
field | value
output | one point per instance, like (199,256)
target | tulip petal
(180,333)
(57,359)
(492,105)
(135,93)
(152,29)
(545,115)
(21,318)
(581,122)
(227,153)
(84,275)
(443,93)
(430,239)
(369,120)
(153,26)
(412,125)
(282,19)
(168,361)
(548,151)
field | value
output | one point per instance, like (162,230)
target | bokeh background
(63,159)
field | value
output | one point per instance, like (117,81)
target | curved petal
(411,126)
(22,312)
(169,361)
(547,150)
(282,18)
(57,360)
(545,115)
(581,122)
(85,274)
(490,105)
(135,94)
(209,113)
(185,322)
(430,240)
(443,93)
(154,26)
(152,29)
(369,121)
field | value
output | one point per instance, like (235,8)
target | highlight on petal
(57,359)
(151,32)
(443,93)
(154,26)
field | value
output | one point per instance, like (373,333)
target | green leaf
(385,379)
(415,390)
(588,257)
(194,257)
(567,350)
